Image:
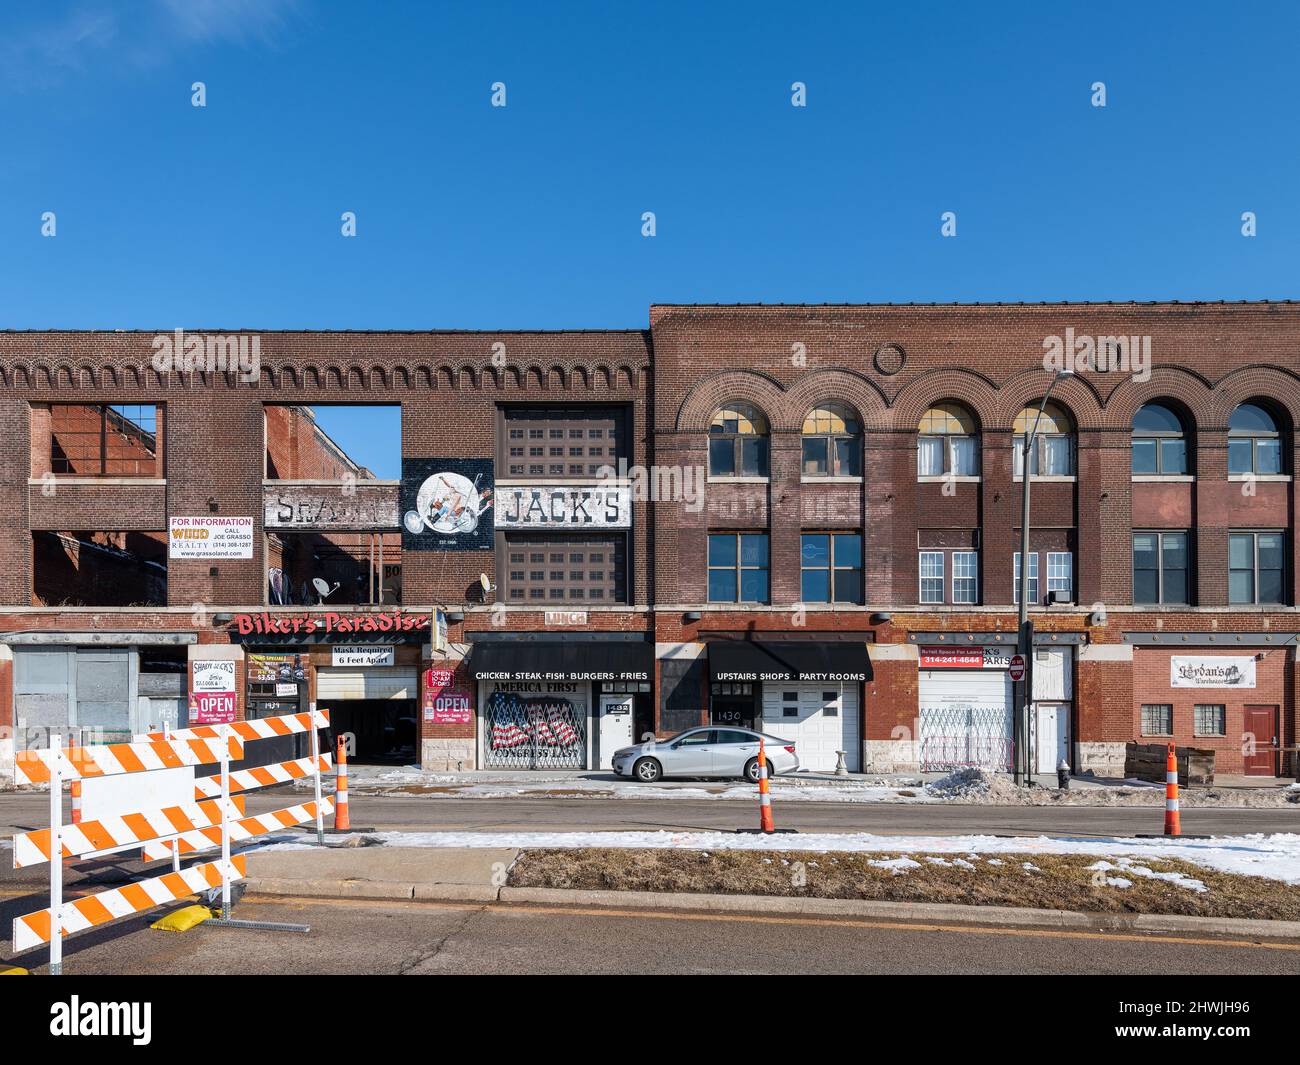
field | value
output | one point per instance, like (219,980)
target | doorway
(733,703)
(385,731)
(1261,723)
(617,715)
(1053,736)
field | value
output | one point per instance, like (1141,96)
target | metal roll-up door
(966,719)
(375,683)
(820,718)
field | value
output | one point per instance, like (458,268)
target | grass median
(1082,883)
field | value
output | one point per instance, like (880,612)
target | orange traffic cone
(764,799)
(1172,825)
(342,823)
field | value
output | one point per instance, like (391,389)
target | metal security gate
(534,732)
(966,720)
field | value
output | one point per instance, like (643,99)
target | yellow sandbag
(184,919)
(14,972)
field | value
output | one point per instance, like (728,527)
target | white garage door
(965,719)
(378,683)
(820,719)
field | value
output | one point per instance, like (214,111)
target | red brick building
(812,528)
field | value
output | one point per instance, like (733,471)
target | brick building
(812,527)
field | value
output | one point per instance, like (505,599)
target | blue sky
(530,215)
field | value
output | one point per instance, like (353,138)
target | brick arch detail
(1270,383)
(968,388)
(838,385)
(1186,391)
(1075,395)
(713,391)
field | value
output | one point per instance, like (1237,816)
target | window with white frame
(932,581)
(1060,574)
(947,443)
(949,577)
(1053,450)
(965,577)
(1033,577)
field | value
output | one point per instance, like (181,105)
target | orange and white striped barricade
(53,766)
(263,728)
(246,828)
(342,816)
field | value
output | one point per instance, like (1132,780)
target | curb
(779,905)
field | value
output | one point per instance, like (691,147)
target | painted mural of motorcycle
(449,504)
(535,732)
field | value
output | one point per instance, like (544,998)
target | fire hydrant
(1063,775)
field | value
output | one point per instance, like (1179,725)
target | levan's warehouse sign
(210,537)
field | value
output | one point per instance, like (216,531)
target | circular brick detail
(889,359)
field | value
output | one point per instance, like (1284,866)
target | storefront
(1193,691)
(97,687)
(559,704)
(363,668)
(807,692)
(966,701)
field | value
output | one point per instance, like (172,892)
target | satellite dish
(323,589)
(413,522)
(484,583)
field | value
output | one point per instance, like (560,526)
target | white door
(615,726)
(1053,736)
(820,719)
(966,719)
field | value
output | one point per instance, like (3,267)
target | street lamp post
(1024,634)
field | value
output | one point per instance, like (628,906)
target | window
(101,440)
(1033,577)
(832,442)
(1209,719)
(576,569)
(1060,575)
(1053,445)
(1159,441)
(1256,567)
(99,568)
(831,567)
(332,442)
(575,441)
(1157,719)
(965,577)
(738,570)
(932,582)
(1254,442)
(948,444)
(342,569)
(738,442)
(1160,567)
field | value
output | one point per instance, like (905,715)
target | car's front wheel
(751,770)
(647,770)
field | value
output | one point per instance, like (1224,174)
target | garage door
(378,683)
(820,719)
(965,719)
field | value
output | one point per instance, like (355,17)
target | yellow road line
(822,922)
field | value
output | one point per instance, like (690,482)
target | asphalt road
(352,936)
(24,811)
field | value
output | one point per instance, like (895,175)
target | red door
(1261,723)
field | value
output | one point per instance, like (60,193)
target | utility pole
(1023,699)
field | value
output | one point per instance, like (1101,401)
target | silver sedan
(705,752)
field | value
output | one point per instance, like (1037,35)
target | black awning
(561,660)
(743,660)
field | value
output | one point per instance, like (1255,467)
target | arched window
(832,442)
(738,442)
(1159,441)
(948,444)
(1053,446)
(1254,441)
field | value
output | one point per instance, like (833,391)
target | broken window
(99,569)
(96,439)
(334,568)
(333,443)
